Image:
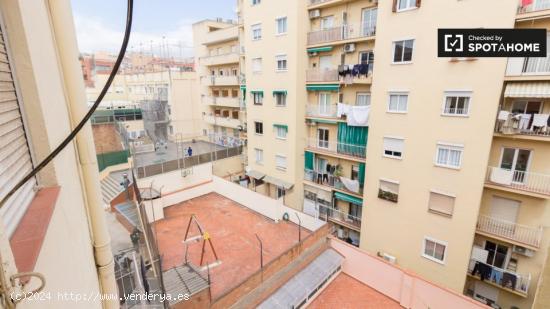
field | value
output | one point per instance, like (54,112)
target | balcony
(223,121)
(525,69)
(339,217)
(316,75)
(364,75)
(346,33)
(511,126)
(517,233)
(321,111)
(507,280)
(220,59)
(536,183)
(220,80)
(222,35)
(329,181)
(536,6)
(334,148)
(222,101)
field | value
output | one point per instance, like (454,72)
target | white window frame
(259,153)
(456,93)
(450,147)
(257,65)
(281,57)
(398,93)
(436,242)
(393,51)
(384,149)
(365,94)
(282,97)
(256,27)
(411,5)
(279,129)
(279,167)
(284,21)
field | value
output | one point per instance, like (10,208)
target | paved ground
(170,154)
(345,292)
(232,228)
(120,238)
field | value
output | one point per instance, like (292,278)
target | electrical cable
(88,115)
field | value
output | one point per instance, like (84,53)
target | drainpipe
(67,48)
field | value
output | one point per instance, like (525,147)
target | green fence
(105,160)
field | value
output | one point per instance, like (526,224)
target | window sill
(281,71)
(258,134)
(433,259)
(407,9)
(447,167)
(392,157)
(401,62)
(26,242)
(282,169)
(281,138)
(396,112)
(281,34)
(455,115)
(439,213)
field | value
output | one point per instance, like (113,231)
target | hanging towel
(540,120)
(359,116)
(502,176)
(503,115)
(351,185)
(524,121)
(342,109)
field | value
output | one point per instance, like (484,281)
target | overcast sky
(100,23)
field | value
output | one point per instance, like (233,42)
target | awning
(256,175)
(279,92)
(323,87)
(348,198)
(243,87)
(325,121)
(281,126)
(278,182)
(319,49)
(528,90)
(261,92)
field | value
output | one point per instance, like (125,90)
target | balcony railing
(516,232)
(223,121)
(340,33)
(536,66)
(232,57)
(338,216)
(357,151)
(222,35)
(512,126)
(357,75)
(325,75)
(315,2)
(506,279)
(328,180)
(537,5)
(220,80)
(525,181)
(322,111)
(222,101)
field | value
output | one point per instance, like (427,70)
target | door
(327,22)
(526,107)
(368,24)
(321,167)
(498,254)
(517,161)
(322,138)
(325,63)
(324,104)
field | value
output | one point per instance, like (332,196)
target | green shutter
(361,176)
(281,126)
(319,49)
(348,198)
(323,87)
(352,140)
(261,92)
(308,160)
(284,92)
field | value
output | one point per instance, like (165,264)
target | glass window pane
(429,247)
(407,54)
(398,51)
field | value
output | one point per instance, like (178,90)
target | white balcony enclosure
(519,233)
(223,121)
(220,59)
(222,101)
(341,33)
(519,180)
(220,80)
(316,110)
(222,35)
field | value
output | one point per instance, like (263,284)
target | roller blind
(389,186)
(441,203)
(393,144)
(15,158)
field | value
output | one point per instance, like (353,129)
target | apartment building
(217,54)
(54,225)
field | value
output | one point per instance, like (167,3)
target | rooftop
(171,152)
(232,229)
(346,292)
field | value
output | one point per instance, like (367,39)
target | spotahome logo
(491,42)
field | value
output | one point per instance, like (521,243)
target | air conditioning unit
(523,251)
(310,122)
(349,48)
(314,14)
(390,258)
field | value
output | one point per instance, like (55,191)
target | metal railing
(512,126)
(339,33)
(231,57)
(520,233)
(504,278)
(338,216)
(329,180)
(187,162)
(525,181)
(324,75)
(537,5)
(222,101)
(322,111)
(337,147)
(230,80)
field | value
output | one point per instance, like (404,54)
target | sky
(100,23)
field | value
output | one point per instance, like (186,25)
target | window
(258,127)
(281,62)
(258,97)
(256,32)
(456,103)
(325,104)
(322,138)
(280,98)
(434,250)
(354,172)
(254,2)
(281,25)
(404,5)
(398,102)
(449,155)
(281,131)
(259,155)
(402,51)
(393,147)
(363,99)
(280,162)
(388,190)
(441,203)
(256,65)
(327,22)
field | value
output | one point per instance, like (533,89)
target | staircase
(110,188)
